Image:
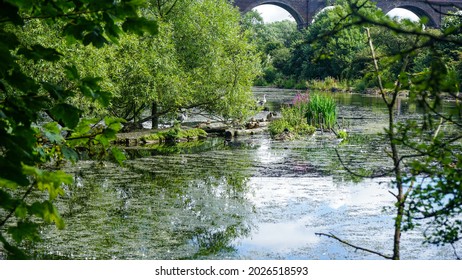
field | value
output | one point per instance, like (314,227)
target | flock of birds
(183,116)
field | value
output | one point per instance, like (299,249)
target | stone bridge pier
(303,11)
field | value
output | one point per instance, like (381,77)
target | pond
(252,198)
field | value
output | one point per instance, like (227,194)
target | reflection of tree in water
(159,207)
(212,204)
(218,241)
(220,220)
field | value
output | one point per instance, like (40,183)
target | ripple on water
(259,199)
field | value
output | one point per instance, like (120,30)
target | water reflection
(159,207)
(253,198)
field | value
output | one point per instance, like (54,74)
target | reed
(321,112)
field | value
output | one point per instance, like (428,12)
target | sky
(272,13)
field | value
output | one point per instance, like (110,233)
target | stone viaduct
(304,11)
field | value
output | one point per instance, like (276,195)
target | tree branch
(76,13)
(446,118)
(29,190)
(455,251)
(396,28)
(330,235)
(378,175)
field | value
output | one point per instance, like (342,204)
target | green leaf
(9,40)
(53,132)
(71,72)
(25,231)
(37,52)
(10,11)
(140,26)
(70,154)
(5,183)
(118,155)
(67,114)
(82,129)
(21,81)
(103,139)
(55,91)
(48,212)
(114,123)
(6,201)
(49,180)
(103,97)
(21,211)
(95,38)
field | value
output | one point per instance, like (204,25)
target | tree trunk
(154,115)
(400,199)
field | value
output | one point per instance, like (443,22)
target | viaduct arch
(304,11)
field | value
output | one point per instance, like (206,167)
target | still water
(254,198)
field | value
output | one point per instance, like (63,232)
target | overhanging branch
(377,175)
(330,235)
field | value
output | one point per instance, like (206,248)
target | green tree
(39,124)
(320,55)
(152,72)
(274,42)
(202,61)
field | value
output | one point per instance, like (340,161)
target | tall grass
(321,111)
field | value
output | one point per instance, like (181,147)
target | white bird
(263,101)
(182,117)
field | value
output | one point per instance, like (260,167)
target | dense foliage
(199,60)
(39,125)
(294,121)
(274,42)
(71,72)
(424,152)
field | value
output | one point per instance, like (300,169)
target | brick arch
(421,9)
(422,14)
(295,8)
(304,11)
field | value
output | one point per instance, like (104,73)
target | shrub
(278,126)
(293,118)
(328,84)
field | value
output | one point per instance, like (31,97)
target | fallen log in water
(139,138)
(255,127)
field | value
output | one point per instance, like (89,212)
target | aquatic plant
(342,134)
(321,112)
(293,120)
(301,100)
